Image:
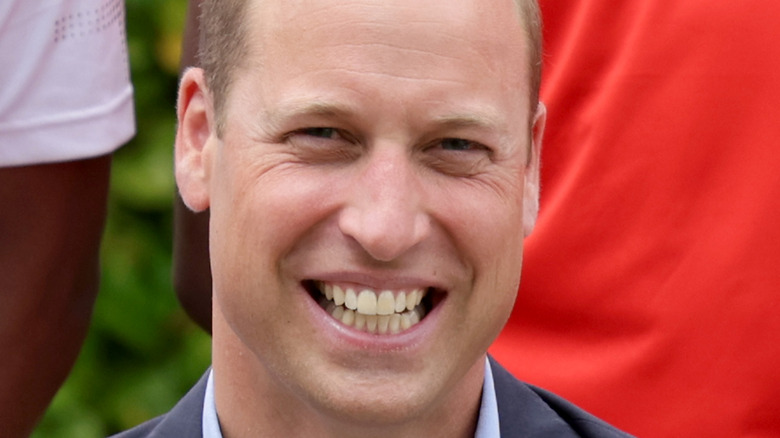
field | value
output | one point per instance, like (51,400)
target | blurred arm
(51,223)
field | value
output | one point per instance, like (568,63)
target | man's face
(376,151)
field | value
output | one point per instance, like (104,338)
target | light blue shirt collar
(487,425)
(210,421)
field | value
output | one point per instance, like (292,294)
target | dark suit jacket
(523,410)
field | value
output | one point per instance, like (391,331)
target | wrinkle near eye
(321,145)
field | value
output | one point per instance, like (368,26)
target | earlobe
(195,137)
(532,170)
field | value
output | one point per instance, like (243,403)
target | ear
(531,189)
(195,139)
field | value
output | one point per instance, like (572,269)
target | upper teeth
(369,302)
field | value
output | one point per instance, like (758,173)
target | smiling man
(371,169)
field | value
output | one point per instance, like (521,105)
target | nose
(384,212)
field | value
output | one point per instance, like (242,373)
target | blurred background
(142,352)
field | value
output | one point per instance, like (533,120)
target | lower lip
(342,336)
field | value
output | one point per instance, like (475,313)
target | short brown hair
(223,46)
(531,19)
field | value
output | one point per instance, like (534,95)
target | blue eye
(457,144)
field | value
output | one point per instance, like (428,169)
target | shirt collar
(487,425)
(210,421)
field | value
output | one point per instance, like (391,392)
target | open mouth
(372,311)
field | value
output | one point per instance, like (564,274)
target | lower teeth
(378,324)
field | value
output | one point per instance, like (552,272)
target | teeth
(338,295)
(350,299)
(406,321)
(328,289)
(395,323)
(371,322)
(385,304)
(415,315)
(349,317)
(411,300)
(383,324)
(360,320)
(366,303)
(400,302)
(387,313)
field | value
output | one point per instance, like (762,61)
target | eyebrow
(307,107)
(483,120)
(479,120)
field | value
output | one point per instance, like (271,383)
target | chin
(378,403)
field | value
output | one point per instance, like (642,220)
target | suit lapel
(521,412)
(185,420)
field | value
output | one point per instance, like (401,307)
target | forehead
(411,45)
(473,14)
(485,30)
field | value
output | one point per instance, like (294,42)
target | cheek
(487,226)
(490,234)
(260,215)
(496,281)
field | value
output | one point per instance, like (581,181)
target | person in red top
(650,292)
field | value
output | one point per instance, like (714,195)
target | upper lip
(396,282)
(385,281)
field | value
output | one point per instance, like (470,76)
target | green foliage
(142,352)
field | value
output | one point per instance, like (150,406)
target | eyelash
(329,133)
(312,132)
(470,145)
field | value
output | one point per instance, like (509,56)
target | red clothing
(651,287)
